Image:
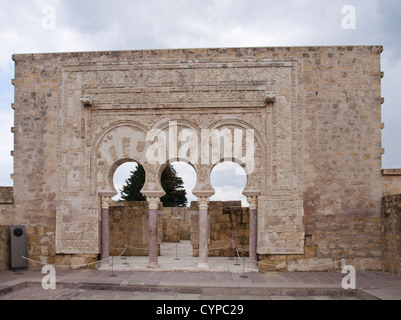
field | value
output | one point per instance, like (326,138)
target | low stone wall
(228,229)
(6,219)
(391,237)
(6,205)
(129,226)
(391,182)
(176,224)
(4,248)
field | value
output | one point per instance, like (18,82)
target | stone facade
(391,220)
(316,117)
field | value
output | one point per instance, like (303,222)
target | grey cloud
(390,25)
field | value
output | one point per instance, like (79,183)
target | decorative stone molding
(105,202)
(203,203)
(93,141)
(153,202)
(270,97)
(87,101)
(253,202)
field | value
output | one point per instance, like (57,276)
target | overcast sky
(29,26)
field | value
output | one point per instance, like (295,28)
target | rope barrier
(64,266)
(70,266)
(238,254)
(311,266)
(144,249)
(237,250)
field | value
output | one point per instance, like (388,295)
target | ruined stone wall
(6,220)
(129,228)
(319,142)
(391,236)
(391,182)
(176,224)
(6,206)
(229,229)
(5,262)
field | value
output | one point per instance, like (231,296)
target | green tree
(133,185)
(172,184)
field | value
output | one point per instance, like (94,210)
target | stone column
(105,204)
(153,203)
(203,232)
(253,228)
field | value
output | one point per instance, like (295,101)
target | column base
(153,265)
(203,266)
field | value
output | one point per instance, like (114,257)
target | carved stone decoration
(87,101)
(105,202)
(270,97)
(153,202)
(317,151)
(203,203)
(134,97)
(253,202)
(280,222)
(77,233)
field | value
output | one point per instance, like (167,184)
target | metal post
(236,260)
(230,254)
(176,252)
(244,276)
(112,268)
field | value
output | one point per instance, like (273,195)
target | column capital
(105,202)
(203,203)
(253,202)
(153,202)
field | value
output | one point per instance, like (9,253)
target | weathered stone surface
(5,247)
(6,206)
(176,224)
(391,182)
(129,229)
(6,195)
(391,236)
(228,229)
(318,150)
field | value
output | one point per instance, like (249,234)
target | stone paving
(178,257)
(180,280)
(34,293)
(97,284)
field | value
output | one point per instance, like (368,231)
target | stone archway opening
(229,211)
(176,218)
(128,218)
(122,173)
(229,180)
